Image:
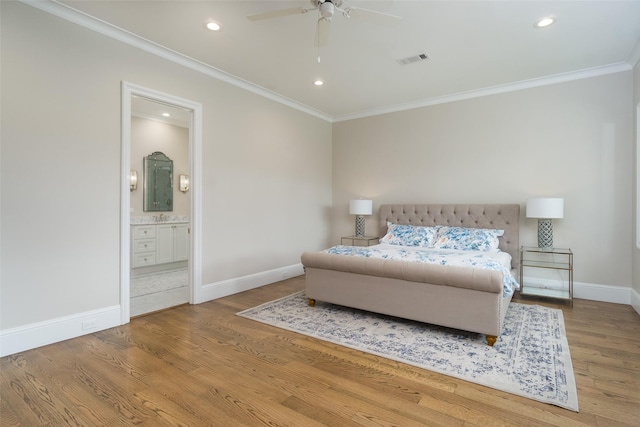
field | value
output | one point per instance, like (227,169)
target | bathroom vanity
(155,244)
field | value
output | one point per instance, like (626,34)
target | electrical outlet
(89,324)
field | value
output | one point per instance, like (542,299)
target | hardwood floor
(198,365)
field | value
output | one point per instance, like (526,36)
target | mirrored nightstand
(543,284)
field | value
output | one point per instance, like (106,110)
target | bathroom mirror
(158,183)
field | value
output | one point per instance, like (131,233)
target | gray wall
(266,169)
(570,140)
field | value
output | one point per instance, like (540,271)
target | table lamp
(359,208)
(545,209)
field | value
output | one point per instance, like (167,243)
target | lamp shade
(360,207)
(545,207)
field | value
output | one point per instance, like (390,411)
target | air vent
(412,59)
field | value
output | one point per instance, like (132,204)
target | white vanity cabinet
(153,244)
(143,245)
(181,242)
(172,243)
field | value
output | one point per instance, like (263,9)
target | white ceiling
(473,46)
(161,112)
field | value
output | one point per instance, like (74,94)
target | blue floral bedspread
(499,261)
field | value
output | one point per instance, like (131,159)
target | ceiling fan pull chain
(318,34)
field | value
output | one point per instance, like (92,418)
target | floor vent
(412,59)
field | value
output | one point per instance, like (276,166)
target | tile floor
(159,291)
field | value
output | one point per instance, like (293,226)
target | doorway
(160,244)
(160,201)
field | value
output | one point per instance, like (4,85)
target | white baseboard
(240,284)
(635,300)
(590,291)
(63,328)
(48,332)
(604,293)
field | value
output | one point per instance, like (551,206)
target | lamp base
(545,234)
(359,226)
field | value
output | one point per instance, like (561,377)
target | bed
(455,296)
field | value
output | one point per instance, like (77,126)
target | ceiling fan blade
(278,13)
(322,32)
(372,16)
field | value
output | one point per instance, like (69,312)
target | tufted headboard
(504,217)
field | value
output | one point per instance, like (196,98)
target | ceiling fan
(326,10)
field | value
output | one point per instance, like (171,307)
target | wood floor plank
(244,404)
(387,366)
(341,387)
(523,411)
(167,412)
(203,365)
(69,404)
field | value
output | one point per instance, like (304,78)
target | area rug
(531,358)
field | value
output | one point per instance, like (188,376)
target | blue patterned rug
(531,358)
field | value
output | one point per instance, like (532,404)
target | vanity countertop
(166,219)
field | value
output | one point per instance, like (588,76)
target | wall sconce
(545,209)
(184,183)
(359,208)
(133,180)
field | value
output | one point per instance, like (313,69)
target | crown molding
(510,87)
(105,28)
(77,17)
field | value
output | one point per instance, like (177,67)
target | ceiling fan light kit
(326,9)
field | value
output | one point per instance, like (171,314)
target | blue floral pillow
(469,239)
(409,235)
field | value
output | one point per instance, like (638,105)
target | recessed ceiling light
(318,82)
(213,26)
(545,22)
(166,114)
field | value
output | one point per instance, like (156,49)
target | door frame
(195,187)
